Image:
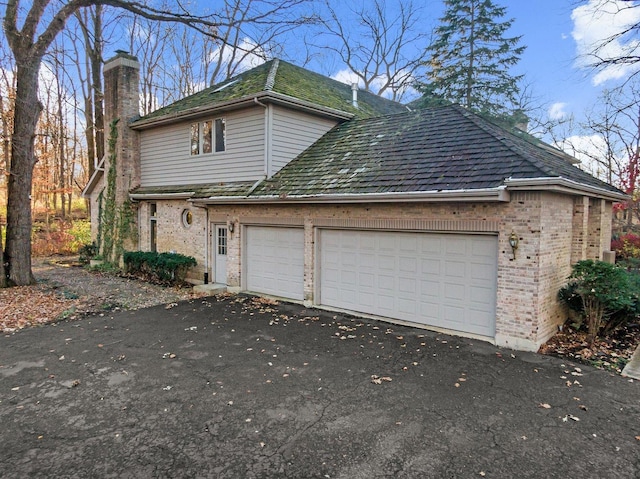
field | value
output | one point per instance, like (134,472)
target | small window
(153,227)
(221,135)
(187,218)
(222,241)
(208,136)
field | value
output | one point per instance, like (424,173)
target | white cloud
(349,77)
(557,111)
(598,21)
(248,55)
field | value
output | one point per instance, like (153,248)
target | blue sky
(557,33)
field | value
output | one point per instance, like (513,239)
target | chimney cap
(122,58)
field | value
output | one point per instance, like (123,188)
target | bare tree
(177,61)
(90,22)
(621,49)
(40,25)
(383,50)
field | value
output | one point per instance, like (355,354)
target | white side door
(219,248)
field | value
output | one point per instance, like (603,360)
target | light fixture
(513,242)
(231,227)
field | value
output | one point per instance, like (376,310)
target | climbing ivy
(116,222)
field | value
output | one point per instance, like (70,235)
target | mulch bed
(611,353)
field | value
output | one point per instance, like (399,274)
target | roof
(277,79)
(437,149)
(234,189)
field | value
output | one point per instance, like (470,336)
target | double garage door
(442,280)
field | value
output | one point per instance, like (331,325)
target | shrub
(87,252)
(604,296)
(80,231)
(160,267)
(626,246)
(60,237)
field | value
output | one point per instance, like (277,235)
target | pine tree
(471,60)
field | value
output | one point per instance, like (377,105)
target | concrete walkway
(237,387)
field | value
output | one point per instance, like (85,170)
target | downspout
(267,137)
(207,241)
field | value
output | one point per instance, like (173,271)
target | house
(283,182)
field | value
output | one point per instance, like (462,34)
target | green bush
(161,267)
(604,295)
(81,232)
(87,252)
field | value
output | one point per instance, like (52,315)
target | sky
(557,35)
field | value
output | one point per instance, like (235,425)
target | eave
(244,102)
(499,194)
(93,181)
(161,196)
(563,185)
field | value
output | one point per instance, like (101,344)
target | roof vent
(354,90)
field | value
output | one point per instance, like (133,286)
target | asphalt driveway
(235,387)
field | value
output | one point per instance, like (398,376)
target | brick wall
(527,311)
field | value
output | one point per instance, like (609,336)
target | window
(153,227)
(208,136)
(187,218)
(222,241)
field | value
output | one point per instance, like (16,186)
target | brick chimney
(122,103)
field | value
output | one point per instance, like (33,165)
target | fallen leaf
(544,405)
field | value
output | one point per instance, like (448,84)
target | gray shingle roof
(436,149)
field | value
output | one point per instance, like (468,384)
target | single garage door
(275,261)
(442,280)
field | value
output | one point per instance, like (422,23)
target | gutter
(161,196)
(562,185)
(499,194)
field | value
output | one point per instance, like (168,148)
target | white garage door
(442,280)
(275,261)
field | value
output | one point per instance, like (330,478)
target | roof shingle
(437,149)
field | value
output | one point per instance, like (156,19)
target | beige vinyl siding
(165,158)
(294,132)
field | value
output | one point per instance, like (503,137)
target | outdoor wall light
(231,227)
(513,242)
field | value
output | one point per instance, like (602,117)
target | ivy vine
(116,222)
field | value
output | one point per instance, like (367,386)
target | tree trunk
(27,112)
(3,273)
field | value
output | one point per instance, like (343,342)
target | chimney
(121,106)
(121,103)
(354,90)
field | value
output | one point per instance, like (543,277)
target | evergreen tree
(471,60)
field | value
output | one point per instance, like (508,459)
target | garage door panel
(455,269)
(456,246)
(455,292)
(443,280)
(275,261)
(480,272)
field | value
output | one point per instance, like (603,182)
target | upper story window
(208,136)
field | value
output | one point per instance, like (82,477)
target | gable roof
(443,149)
(276,81)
